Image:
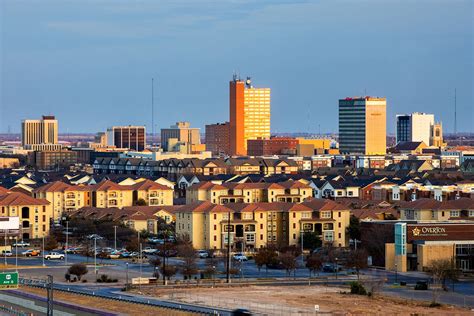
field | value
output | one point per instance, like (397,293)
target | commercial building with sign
(414,245)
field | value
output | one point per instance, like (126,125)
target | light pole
(42,252)
(115,238)
(302,248)
(228,247)
(126,283)
(396,273)
(336,267)
(16,255)
(5,251)
(95,257)
(67,241)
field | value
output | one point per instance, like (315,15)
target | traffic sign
(8,280)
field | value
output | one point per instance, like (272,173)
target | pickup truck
(54,256)
(31,253)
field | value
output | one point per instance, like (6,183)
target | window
(261,226)
(453,213)
(225,216)
(339,214)
(306,215)
(328,236)
(250,237)
(261,215)
(215,238)
(339,235)
(215,216)
(339,225)
(261,236)
(325,214)
(294,214)
(294,236)
(294,225)
(339,193)
(215,227)
(471,213)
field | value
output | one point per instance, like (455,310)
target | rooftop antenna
(309,121)
(455,115)
(152,111)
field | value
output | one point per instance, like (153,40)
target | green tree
(353,230)
(50,243)
(311,240)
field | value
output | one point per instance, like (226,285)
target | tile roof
(324,205)
(19,199)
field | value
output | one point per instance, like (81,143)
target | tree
(51,243)
(314,262)
(78,269)
(266,256)
(311,240)
(357,260)
(374,240)
(168,271)
(187,252)
(353,230)
(140,202)
(288,262)
(442,270)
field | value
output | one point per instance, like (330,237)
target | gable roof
(19,199)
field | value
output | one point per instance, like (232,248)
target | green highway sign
(8,280)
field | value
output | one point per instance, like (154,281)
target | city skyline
(112,51)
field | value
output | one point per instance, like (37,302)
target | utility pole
(67,242)
(49,287)
(228,248)
(164,260)
(455,115)
(115,238)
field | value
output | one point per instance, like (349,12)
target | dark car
(241,312)
(421,285)
(330,267)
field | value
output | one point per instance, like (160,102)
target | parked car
(54,256)
(240,257)
(202,254)
(21,244)
(149,250)
(125,254)
(7,253)
(241,312)
(421,286)
(31,253)
(330,267)
(95,236)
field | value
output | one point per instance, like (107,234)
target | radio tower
(152,113)
(455,116)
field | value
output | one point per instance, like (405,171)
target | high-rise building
(181,133)
(217,138)
(362,125)
(249,114)
(415,127)
(128,137)
(35,132)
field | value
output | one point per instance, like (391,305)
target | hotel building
(35,132)
(249,114)
(363,126)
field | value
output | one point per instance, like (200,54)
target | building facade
(415,127)
(49,160)
(217,138)
(249,114)
(180,133)
(44,131)
(363,126)
(129,137)
(272,146)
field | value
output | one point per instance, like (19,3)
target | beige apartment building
(35,132)
(256,225)
(35,214)
(225,193)
(180,137)
(363,125)
(66,198)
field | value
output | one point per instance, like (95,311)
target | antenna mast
(455,115)
(152,112)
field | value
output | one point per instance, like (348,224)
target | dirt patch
(287,300)
(121,308)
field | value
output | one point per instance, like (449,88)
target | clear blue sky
(90,63)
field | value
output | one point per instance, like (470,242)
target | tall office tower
(129,137)
(35,132)
(217,138)
(249,114)
(182,133)
(415,127)
(363,125)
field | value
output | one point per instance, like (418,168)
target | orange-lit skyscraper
(249,114)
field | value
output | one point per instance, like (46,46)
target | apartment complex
(128,137)
(225,193)
(65,197)
(180,137)
(217,138)
(49,160)
(35,132)
(35,214)
(249,114)
(362,125)
(256,225)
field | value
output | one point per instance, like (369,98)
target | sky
(90,63)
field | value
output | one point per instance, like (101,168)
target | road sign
(8,280)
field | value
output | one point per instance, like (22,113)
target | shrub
(358,288)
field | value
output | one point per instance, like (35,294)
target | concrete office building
(249,114)
(217,138)
(44,131)
(363,125)
(129,137)
(415,127)
(180,133)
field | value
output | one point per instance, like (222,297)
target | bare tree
(442,270)
(187,252)
(314,263)
(288,261)
(357,260)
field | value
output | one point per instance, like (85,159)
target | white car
(149,250)
(21,244)
(203,254)
(240,257)
(54,256)
(7,253)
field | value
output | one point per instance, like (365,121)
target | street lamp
(336,267)
(67,241)
(126,283)
(115,238)
(396,273)
(42,252)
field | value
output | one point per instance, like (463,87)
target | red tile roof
(324,205)
(20,199)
